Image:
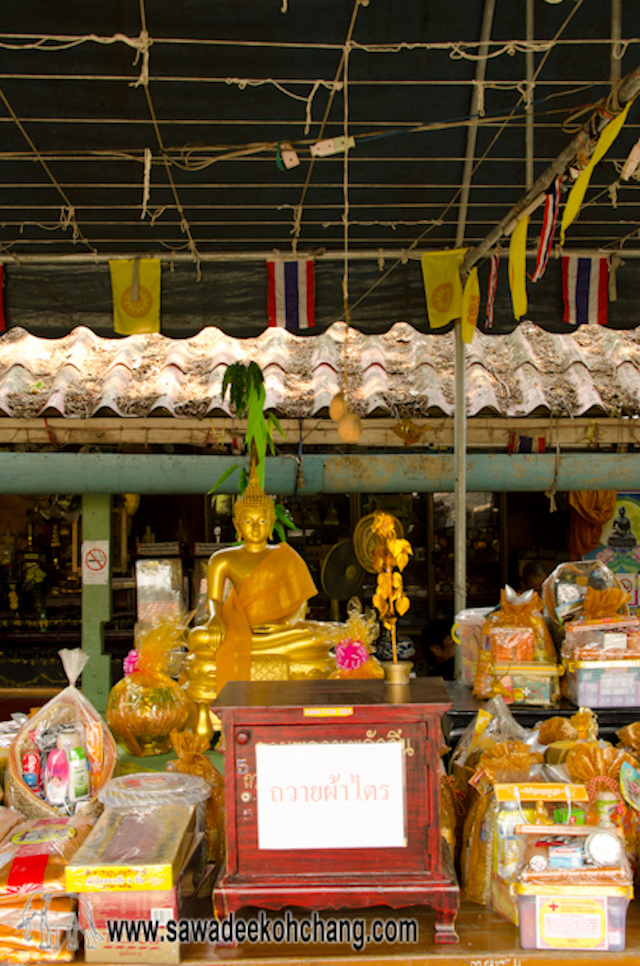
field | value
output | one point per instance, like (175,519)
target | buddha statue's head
(254,512)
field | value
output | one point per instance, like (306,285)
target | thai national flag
(291,293)
(551,206)
(585,285)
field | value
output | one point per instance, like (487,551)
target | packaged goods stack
(37,916)
(136,865)
(550,838)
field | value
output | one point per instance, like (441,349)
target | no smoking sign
(95,561)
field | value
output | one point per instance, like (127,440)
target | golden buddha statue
(258,632)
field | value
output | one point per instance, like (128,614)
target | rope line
(449,206)
(184,224)
(244,82)
(297,222)
(67,214)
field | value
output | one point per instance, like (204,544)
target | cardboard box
(133,851)
(96,908)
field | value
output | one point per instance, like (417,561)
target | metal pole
(616,34)
(529,153)
(460,412)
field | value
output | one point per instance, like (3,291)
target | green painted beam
(393,472)
(96,603)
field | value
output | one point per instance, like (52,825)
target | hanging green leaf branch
(247,398)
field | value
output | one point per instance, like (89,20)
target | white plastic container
(573,917)
(603,684)
(154,789)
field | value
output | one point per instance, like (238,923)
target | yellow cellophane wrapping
(505,761)
(449,810)
(585,721)
(630,736)
(588,761)
(610,602)
(557,729)
(508,758)
(190,749)
(145,706)
(477,840)
(525,617)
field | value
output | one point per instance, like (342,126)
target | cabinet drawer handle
(243,737)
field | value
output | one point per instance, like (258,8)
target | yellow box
(133,851)
(557,751)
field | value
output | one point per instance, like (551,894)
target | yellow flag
(577,193)
(518,268)
(442,286)
(470,305)
(142,315)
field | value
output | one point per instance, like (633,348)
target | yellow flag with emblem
(470,305)
(442,285)
(577,193)
(518,268)
(135,286)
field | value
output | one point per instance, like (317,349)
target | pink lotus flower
(351,655)
(131,662)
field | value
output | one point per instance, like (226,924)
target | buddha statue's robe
(276,589)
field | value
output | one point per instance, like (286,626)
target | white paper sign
(342,796)
(95,561)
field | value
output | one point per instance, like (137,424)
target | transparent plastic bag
(68,709)
(36,853)
(565,589)
(467,633)
(38,930)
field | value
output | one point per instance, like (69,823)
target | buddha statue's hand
(217,629)
(271,628)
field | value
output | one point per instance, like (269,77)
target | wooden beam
(483,432)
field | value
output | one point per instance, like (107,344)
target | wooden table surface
(486,939)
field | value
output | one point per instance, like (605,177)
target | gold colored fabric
(591,509)
(279,585)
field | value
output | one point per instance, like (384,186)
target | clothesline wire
(415,243)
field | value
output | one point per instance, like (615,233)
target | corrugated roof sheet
(594,371)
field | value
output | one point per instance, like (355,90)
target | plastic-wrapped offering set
(568,592)
(517,656)
(601,645)
(63,754)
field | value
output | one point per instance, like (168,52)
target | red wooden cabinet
(320,716)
